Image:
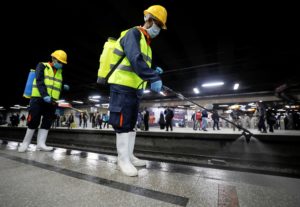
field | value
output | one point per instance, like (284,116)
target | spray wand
(246,133)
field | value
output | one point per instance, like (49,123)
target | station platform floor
(74,178)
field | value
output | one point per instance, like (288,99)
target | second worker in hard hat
(46,89)
(129,80)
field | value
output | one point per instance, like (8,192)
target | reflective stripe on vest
(124,73)
(53,83)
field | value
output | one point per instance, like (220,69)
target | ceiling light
(95,97)
(94,100)
(196,90)
(236,86)
(212,84)
(105,105)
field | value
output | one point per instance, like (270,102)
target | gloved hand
(66,87)
(158,70)
(47,99)
(156,86)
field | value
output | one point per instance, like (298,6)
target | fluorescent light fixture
(79,102)
(13,107)
(95,97)
(223,105)
(146,91)
(97,105)
(212,84)
(17,105)
(94,100)
(105,105)
(196,90)
(180,106)
(236,86)
(1,107)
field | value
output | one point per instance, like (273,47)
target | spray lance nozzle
(247,135)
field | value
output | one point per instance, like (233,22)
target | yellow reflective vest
(52,82)
(124,74)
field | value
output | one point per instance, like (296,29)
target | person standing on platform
(261,112)
(47,86)
(169,114)
(161,121)
(129,80)
(80,119)
(85,119)
(146,119)
(235,116)
(204,119)
(216,118)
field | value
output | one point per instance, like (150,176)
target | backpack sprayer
(246,133)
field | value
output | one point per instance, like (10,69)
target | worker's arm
(131,46)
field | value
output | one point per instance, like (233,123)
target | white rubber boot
(41,140)
(26,140)
(134,160)
(123,157)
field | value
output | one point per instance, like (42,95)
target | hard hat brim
(163,25)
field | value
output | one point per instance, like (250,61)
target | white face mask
(153,31)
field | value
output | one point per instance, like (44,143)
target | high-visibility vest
(52,82)
(124,74)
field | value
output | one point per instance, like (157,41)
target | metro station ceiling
(254,45)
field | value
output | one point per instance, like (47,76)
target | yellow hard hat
(159,12)
(60,55)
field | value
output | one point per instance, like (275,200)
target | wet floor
(75,178)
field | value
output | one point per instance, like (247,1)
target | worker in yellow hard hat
(46,89)
(128,81)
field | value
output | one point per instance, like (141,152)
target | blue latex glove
(158,70)
(156,86)
(47,99)
(66,87)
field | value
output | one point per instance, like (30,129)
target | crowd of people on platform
(264,119)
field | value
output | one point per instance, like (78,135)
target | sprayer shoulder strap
(115,66)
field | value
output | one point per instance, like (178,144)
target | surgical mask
(58,65)
(153,31)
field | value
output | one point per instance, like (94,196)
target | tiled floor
(74,178)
